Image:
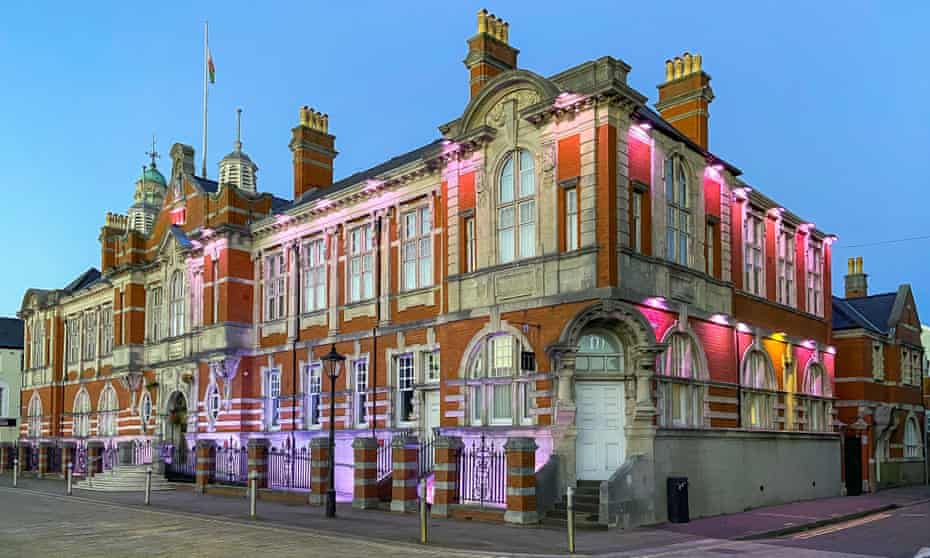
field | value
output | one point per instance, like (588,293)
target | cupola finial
(238,129)
(153,154)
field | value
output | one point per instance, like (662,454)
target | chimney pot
(857,282)
(685,97)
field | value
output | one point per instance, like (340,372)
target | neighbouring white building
(11,373)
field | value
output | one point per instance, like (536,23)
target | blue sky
(822,104)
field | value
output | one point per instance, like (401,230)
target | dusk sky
(823,105)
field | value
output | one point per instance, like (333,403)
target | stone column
(6,456)
(365,492)
(94,457)
(404,453)
(319,470)
(206,463)
(446,481)
(258,460)
(124,452)
(45,449)
(67,456)
(521,481)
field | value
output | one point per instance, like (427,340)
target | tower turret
(237,169)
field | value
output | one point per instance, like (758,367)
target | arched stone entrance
(175,427)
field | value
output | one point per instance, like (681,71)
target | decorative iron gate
(141,452)
(53,459)
(232,466)
(289,468)
(110,457)
(385,459)
(425,458)
(482,473)
(80,458)
(180,463)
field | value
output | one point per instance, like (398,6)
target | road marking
(913,515)
(841,526)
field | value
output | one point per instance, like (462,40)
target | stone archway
(175,421)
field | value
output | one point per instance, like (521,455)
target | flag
(210,68)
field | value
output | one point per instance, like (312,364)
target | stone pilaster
(206,463)
(67,456)
(319,470)
(521,481)
(446,469)
(258,460)
(365,492)
(45,450)
(23,456)
(404,453)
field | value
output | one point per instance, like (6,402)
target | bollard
(253,493)
(69,478)
(424,514)
(148,486)
(570,518)
(15,471)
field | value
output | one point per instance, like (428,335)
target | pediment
(487,108)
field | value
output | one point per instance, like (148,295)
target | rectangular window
(361,263)
(90,335)
(37,351)
(106,341)
(471,255)
(314,276)
(361,391)
(155,314)
(815,278)
(74,340)
(417,249)
(711,243)
(405,383)
(502,359)
(785,272)
(274,398)
(571,219)
(431,360)
(678,213)
(314,388)
(754,262)
(197,299)
(216,290)
(637,222)
(275,283)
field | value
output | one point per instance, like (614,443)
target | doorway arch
(175,428)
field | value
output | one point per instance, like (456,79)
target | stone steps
(125,478)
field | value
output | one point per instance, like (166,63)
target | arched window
(678,216)
(498,394)
(911,438)
(516,209)
(176,306)
(599,352)
(814,380)
(758,374)
(145,410)
(213,403)
(81,416)
(35,416)
(681,399)
(107,412)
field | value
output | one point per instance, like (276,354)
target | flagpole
(206,51)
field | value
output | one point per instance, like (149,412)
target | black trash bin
(677,494)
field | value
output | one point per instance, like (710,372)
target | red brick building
(563,262)
(879,372)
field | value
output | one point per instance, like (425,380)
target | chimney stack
(857,282)
(685,97)
(314,150)
(489,51)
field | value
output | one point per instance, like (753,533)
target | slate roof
(206,184)
(179,235)
(11,333)
(83,280)
(867,312)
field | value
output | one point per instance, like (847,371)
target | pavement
(451,538)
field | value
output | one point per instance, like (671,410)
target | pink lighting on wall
(656,302)
(831,238)
(713,172)
(720,319)
(807,227)
(641,132)
(373,184)
(742,193)
(566,99)
(775,211)
(809,343)
(743,328)
(831,349)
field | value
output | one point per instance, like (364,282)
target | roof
(83,280)
(668,129)
(11,333)
(152,174)
(205,184)
(868,312)
(390,164)
(179,235)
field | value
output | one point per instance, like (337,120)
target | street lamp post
(332,361)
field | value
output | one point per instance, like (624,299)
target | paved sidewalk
(773,521)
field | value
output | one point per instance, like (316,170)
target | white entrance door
(599,418)
(431,417)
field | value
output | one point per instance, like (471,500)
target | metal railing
(425,458)
(232,466)
(482,473)
(53,459)
(80,459)
(180,463)
(384,459)
(289,468)
(141,452)
(110,457)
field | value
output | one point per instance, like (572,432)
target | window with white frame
(215,274)
(405,386)
(275,286)
(754,254)
(106,333)
(156,330)
(145,410)
(431,366)
(37,345)
(213,403)
(80,424)
(878,360)
(571,218)
(176,304)
(417,249)
(815,278)
(273,398)
(759,389)
(314,375)
(786,292)
(34,425)
(710,240)
(678,212)
(107,412)
(314,275)
(90,335)
(516,209)
(679,366)
(361,263)
(471,253)
(498,395)
(911,438)
(638,222)
(814,380)
(74,339)
(197,299)
(360,379)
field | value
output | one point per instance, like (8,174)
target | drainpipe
(739,379)
(294,347)
(373,385)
